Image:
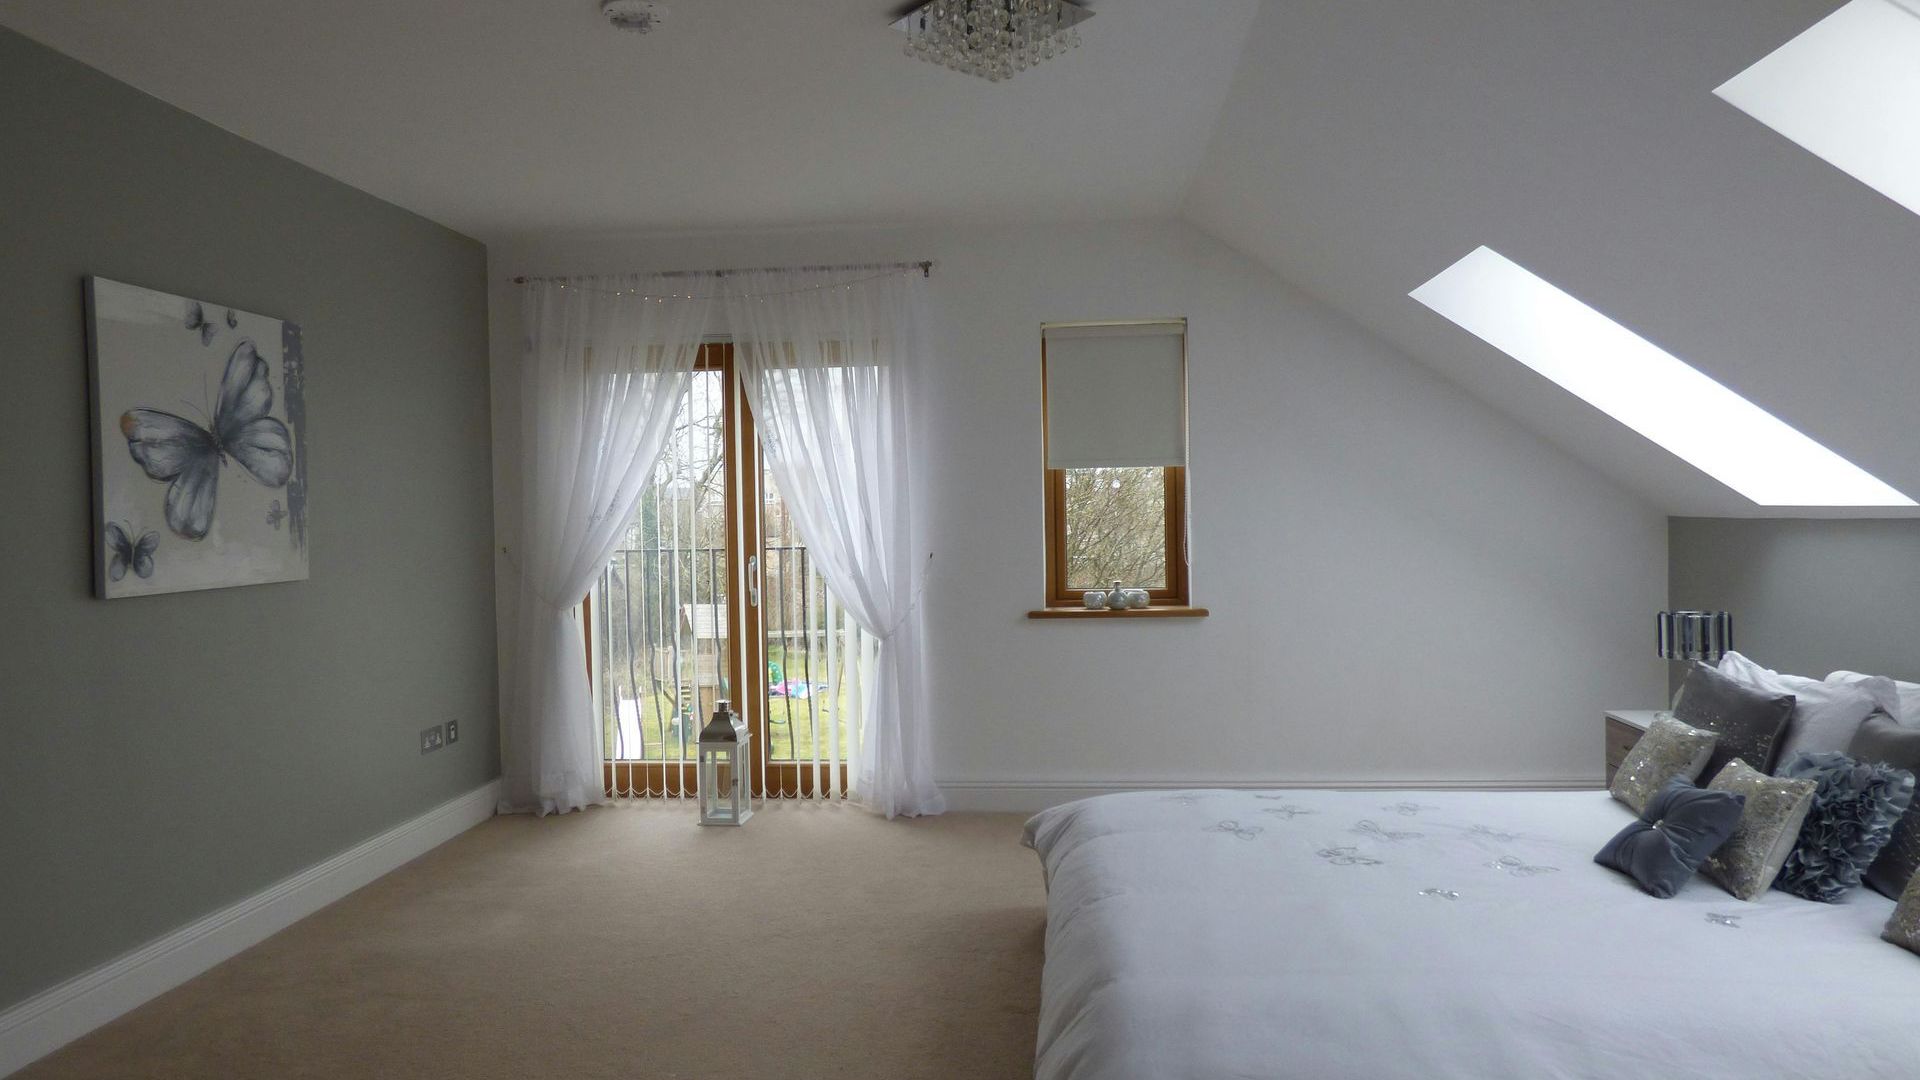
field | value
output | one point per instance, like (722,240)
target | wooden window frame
(1175,597)
(1173,594)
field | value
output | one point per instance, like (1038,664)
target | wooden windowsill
(1166,611)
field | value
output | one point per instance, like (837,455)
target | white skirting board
(1032,796)
(58,1015)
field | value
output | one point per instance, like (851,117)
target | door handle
(753,580)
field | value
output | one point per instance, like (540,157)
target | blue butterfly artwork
(189,457)
(200,430)
(126,553)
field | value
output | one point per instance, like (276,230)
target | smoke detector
(638,16)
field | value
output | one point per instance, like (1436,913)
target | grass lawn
(795,727)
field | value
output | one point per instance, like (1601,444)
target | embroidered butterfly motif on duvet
(1243,832)
(1482,832)
(188,457)
(1511,865)
(1369,827)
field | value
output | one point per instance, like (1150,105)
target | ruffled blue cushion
(1855,807)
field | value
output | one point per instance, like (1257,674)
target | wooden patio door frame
(746,645)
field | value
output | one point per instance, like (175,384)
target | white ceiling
(503,117)
(1358,146)
(1368,144)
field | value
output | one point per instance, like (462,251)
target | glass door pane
(814,654)
(662,615)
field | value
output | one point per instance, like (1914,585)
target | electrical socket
(453,732)
(432,739)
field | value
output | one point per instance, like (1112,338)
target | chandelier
(994,39)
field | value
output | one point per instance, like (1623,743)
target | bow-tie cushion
(1678,829)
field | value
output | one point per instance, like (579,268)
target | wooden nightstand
(1624,728)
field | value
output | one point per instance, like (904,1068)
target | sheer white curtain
(604,368)
(829,365)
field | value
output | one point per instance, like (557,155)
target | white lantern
(724,753)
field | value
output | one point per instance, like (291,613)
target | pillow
(1855,807)
(1668,749)
(1825,714)
(1904,704)
(1883,740)
(1769,825)
(1748,721)
(1680,827)
(1904,928)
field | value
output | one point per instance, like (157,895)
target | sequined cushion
(1750,722)
(1885,740)
(1769,827)
(1680,827)
(1855,807)
(1668,749)
(1904,928)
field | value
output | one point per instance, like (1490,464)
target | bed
(1370,934)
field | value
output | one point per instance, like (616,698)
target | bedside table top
(1640,718)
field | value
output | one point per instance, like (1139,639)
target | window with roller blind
(1116,461)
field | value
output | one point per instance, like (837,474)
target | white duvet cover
(1375,935)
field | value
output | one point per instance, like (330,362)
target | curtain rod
(925,266)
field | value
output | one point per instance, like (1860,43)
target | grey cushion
(1855,807)
(1668,749)
(1680,827)
(1882,739)
(1749,722)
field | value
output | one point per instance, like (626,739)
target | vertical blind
(1116,395)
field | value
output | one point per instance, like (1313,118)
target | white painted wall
(1405,585)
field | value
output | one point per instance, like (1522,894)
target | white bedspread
(1372,935)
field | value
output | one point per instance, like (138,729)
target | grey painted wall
(163,756)
(1806,596)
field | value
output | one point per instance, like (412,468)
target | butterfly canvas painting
(200,477)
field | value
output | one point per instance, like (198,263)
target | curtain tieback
(539,594)
(913,601)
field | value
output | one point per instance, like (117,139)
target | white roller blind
(1116,395)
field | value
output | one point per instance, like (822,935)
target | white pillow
(1903,704)
(1825,714)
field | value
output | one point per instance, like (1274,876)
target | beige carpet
(629,942)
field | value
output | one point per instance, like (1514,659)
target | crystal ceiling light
(994,39)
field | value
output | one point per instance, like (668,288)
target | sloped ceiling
(1356,146)
(1367,144)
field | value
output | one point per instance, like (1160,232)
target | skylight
(1847,90)
(1646,388)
